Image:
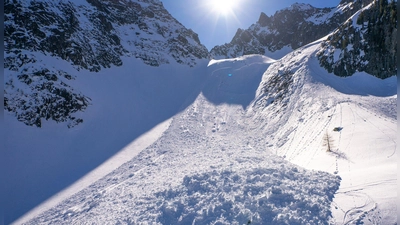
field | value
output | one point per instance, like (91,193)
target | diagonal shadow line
(38,170)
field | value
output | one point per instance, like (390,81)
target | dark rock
(89,37)
(293,27)
(369,45)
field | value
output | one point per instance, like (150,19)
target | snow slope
(128,152)
(365,149)
(250,148)
(126,102)
(206,143)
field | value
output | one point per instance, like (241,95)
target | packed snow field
(247,146)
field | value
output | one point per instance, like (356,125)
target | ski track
(364,209)
(380,130)
(355,210)
(357,214)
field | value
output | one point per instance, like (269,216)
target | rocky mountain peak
(286,30)
(264,20)
(300,7)
(345,2)
(101,32)
(91,35)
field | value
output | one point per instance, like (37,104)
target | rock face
(90,35)
(96,33)
(366,42)
(292,27)
(36,94)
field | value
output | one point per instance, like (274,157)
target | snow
(128,152)
(279,53)
(148,96)
(299,6)
(321,18)
(368,138)
(342,7)
(247,59)
(229,155)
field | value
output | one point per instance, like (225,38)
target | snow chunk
(271,195)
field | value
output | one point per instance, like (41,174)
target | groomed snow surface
(235,152)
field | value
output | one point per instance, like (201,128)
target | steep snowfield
(126,102)
(364,151)
(250,147)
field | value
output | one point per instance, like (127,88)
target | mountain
(364,37)
(286,30)
(365,42)
(116,115)
(90,35)
(96,34)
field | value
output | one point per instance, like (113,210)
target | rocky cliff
(365,42)
(90,35)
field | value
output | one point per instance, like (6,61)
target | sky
(217,25)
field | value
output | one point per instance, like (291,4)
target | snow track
(355,153)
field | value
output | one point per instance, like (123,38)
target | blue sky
(215,28)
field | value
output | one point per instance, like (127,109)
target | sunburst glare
(223,7)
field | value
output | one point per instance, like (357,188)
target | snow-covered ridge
(248,59)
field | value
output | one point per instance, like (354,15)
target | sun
(223,7)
